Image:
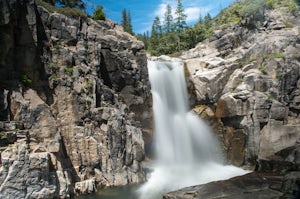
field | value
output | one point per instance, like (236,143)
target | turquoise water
(113,193)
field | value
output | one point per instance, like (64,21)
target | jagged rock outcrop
(72,91)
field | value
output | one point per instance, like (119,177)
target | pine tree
(126,21)
(168,20)
(181,17)
(207,20)
(99,14)
(129,23)
(156,33)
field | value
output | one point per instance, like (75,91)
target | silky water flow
(186,151)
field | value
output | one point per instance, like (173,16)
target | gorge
(186,151)
(75,107)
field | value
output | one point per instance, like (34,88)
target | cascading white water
(177,137)
(186,152)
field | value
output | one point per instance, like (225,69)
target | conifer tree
(180,17)
(156,33)
(99,14)
(126,21)
(168,20)
(129,23)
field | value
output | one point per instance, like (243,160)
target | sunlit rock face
(249,77)
(72,91)
(244,81)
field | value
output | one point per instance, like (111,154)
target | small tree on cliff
(126,21)
(99,14)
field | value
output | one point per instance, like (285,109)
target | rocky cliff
(245,81)
(248,81)
(73,98)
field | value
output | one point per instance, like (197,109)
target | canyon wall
(74,96)
(244,81)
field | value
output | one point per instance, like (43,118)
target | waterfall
(186,151)
(181,137)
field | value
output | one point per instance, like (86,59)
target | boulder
(261,185)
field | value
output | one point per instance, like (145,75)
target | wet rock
(85,187)
(261,185)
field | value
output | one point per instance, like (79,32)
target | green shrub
(270,4)
(53,76)
(69,70)
(99,14)
(25,79)
(247,61)
(273,56)
(72,12)
(263,70)
(89,84)
(292,5)
(288,24)
(277,55)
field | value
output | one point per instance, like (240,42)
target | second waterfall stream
(186,152)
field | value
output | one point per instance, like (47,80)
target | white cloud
(192,8)
(192,13)
(160,10)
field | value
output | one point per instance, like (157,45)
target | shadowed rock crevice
(104,74)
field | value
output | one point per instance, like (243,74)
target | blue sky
(143,12)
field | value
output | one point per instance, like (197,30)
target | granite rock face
(74,97)
(250,78)
(244,81)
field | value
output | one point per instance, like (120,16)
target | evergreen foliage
(255,9)
(180,17)
(168,20)
(72,12)
(126,21)
(99,14)
(174,35)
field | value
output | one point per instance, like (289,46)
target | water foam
(187,153)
